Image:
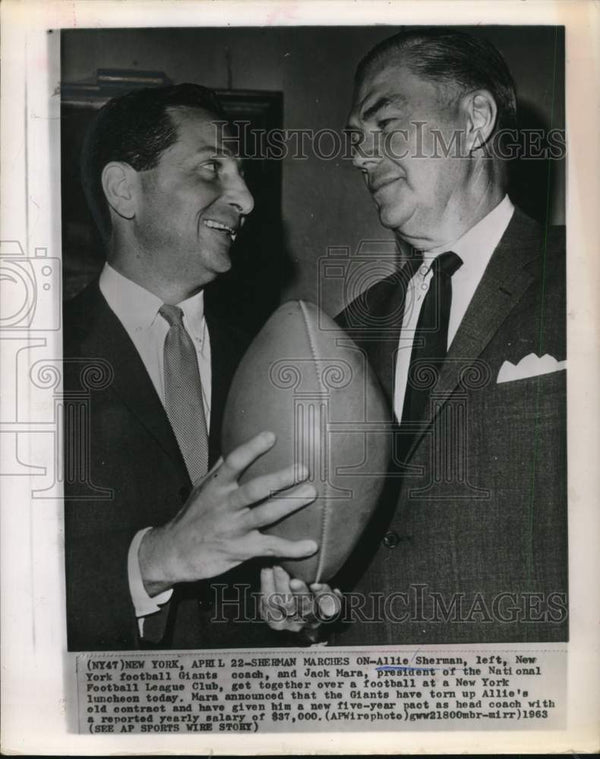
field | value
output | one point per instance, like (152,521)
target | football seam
(324,509)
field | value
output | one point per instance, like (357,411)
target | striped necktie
(183,394)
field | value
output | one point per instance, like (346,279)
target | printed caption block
(223,692)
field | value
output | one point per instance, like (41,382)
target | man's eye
(211,166)
(384,123)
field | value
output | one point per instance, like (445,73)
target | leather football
(305,380)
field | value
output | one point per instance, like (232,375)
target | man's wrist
(143,604)
(151,563)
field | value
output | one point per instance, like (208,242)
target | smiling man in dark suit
(145,527)
(468,340)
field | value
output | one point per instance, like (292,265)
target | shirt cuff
(142,602)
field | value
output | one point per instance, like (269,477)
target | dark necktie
(183,394)
(430,344)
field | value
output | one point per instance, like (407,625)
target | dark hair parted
(452,57)
(135,128)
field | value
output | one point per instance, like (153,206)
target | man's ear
(481,114)
(119,182)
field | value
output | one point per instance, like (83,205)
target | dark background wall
(324,203)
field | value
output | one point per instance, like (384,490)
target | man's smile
(221,226)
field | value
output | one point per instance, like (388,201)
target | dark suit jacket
(470,540)
(123,472)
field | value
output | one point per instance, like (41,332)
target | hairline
(398,59)
(172,112)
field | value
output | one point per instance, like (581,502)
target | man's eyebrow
(211,150)
(380,103)
(372,110)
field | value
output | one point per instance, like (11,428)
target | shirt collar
(137,308)
(480,241)
(193,313)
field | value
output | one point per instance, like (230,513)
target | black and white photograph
(445,382)
(299,327)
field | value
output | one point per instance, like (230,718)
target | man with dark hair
(468,339)
(146,527)
(136,128)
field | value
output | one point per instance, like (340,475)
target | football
(305,380)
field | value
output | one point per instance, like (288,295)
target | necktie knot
(172,314)
(446,264)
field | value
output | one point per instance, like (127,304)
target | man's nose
(365,151)
(239,196)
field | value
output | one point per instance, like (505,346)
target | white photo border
(34,659)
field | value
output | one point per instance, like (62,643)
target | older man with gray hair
(468,340)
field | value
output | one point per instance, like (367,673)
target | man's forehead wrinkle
(393,99)
(366,110)
(199,139)
(372,109)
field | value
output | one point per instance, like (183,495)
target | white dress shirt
(475,248)
(137,310)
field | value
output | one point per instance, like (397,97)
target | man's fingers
(270,545)
(272,602)
(305,603)
(282,581)
(267,582)
(278,508)
(289,603)
(266,485)
(299,586)
(329,602)
(299,601)
(283,597)
(241,457)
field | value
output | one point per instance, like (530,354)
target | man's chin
(221,262)
(209,268)
(393,218)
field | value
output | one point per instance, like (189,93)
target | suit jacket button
(391,539)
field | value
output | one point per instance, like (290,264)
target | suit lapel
(375,324)
(504,282)
(107,337)
(131,382)
(384,349)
